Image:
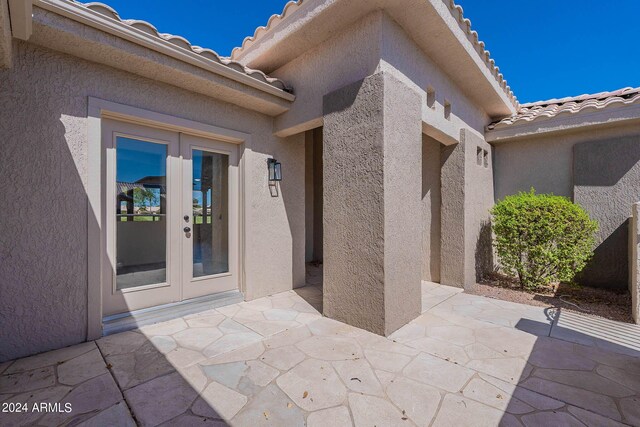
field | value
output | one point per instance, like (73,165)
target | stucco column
(467,196)
(372,204)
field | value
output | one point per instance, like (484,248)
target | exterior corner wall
(467,197)
(329,67)
(431,201)
(353,212)
(634,261)
(452,228)
(402,203)
(372,241)
(479,199)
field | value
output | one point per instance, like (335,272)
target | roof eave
(620,115)
(101,22)
(296,26)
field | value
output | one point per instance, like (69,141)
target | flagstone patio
(276,361)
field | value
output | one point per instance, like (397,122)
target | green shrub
(542,238)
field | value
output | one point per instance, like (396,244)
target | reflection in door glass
(210,213)
(141,207)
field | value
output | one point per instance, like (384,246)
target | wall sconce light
(275,170)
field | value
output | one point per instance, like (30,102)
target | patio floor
(467,360)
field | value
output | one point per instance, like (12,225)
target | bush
(542,238)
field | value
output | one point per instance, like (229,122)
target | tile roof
(273,21)
(567,106)
(209,54)
(456,12)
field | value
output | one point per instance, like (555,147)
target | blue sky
(545,48)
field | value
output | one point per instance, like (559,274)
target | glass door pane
(210,213)
(141,208)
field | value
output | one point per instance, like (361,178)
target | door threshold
(147,316)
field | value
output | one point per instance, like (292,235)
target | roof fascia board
(567,123)
(20,13)
(98,21)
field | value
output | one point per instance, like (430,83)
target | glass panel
(141,207)
(210,213)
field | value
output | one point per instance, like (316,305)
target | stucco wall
(431,201)
(413,67)
(43,177)
(544,162)
(606,183)
(467,196)
(604,180)
(375,43)
(479,200)
(372,204)
(345,58)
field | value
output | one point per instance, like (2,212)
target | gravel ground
(614,305)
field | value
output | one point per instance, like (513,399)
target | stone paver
(466,360)
(335,417)
(74,382)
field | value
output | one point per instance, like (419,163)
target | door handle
(187,229)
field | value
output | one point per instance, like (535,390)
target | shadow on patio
(467,360)
(526,365)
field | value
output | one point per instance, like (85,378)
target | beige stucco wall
(545,161)
(43,181)
(401,55)
(377,44)
(596,167)
(372,204)
(348,56)
(431,201)
(373,44)
(479,199)
(467,196)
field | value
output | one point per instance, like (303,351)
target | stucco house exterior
(137,166)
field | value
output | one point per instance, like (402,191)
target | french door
(171,216)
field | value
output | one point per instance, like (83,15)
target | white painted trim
(134,115)
(566,123)
(99,109)
(21,14)
(94,225)
(101,22)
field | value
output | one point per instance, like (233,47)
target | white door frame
(96,189)
(118,301)
(200,286)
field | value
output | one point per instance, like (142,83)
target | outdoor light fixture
(275,170)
